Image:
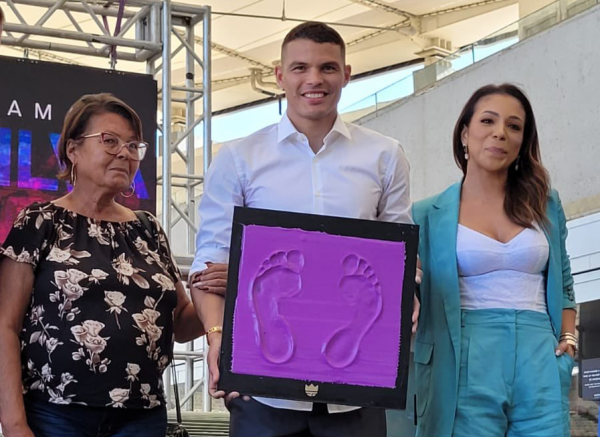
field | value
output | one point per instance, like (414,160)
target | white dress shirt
(357,173)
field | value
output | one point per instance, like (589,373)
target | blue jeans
(50,420)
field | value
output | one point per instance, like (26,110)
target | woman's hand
(213,279)
(567,330)
(564,347)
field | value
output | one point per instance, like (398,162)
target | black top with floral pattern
(99,328)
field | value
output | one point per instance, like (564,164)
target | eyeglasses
(113,145)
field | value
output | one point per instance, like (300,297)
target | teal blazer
(437,343)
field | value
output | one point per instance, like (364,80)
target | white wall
(583,245)
(560,71)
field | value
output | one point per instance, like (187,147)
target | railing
(429,75)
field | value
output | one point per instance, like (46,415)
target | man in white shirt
(310,162)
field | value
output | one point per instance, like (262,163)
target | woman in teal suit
(494,347)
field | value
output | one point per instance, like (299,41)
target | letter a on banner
(14,109)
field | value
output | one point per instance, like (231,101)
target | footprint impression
(360,288)
(278,278)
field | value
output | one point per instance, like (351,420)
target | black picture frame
(317,391)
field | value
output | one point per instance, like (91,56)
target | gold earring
(132,191)
(73,175)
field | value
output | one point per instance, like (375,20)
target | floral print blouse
(99,327)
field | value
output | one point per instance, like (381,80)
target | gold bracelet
(217,328)
(570,341)
(568,336)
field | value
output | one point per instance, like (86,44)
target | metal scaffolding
(144,32)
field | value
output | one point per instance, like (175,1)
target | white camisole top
(502,275)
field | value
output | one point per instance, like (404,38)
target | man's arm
(223,191)
(395,204)
(187,325)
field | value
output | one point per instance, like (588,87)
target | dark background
(60,85)
(589,346)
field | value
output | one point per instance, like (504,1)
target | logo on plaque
(311,390)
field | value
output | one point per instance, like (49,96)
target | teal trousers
(511,382)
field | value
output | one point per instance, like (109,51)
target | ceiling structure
(246,38)
(247,34)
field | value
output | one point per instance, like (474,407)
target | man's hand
(213,369)
(214,351)
(419,276)
(415,314)
(213,279)
(417,303)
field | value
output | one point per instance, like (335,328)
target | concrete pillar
(526,7)
(538,15)
(437,63)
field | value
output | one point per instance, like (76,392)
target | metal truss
(144,33)
(76,40)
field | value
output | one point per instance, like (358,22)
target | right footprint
(359,287)
(278,278)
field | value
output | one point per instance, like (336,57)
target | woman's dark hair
(78,116)
(528,187)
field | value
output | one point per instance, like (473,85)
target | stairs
(200,424)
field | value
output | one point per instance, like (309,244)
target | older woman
(91,297)
(495,344)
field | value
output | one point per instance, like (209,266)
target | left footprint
(278,278)
(360,288)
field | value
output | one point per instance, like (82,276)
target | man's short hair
(316,32)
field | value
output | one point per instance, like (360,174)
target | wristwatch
(217,328)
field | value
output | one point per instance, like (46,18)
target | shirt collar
(340,127)
(286,129)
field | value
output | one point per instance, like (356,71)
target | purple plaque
(314,306)
(318,308)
